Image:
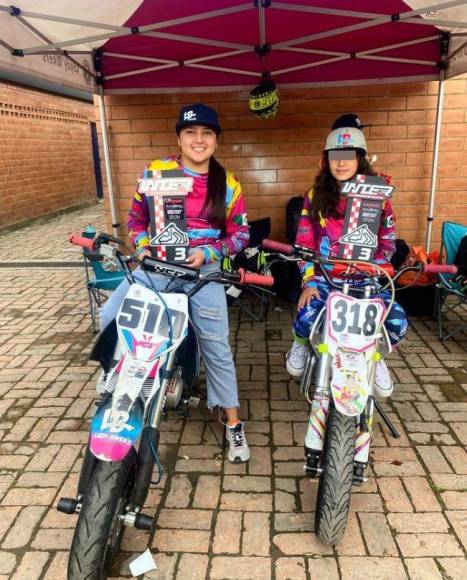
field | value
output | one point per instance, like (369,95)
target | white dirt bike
(346,341)
(151,357)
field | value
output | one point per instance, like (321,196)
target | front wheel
(335,482)
(99,530)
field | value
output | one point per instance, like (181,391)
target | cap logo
(344,139)
(189,116)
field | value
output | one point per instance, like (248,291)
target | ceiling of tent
(149,45)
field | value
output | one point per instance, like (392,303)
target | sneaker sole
(294,372)
(238,459)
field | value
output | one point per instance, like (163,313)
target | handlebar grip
(256,279)
(78,240)
(277,246)
(440,269)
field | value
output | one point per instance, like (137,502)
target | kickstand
(394,432)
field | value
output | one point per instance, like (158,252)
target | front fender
(114,434)
(349,382)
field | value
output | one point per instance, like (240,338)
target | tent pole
(108,169)
(434,165)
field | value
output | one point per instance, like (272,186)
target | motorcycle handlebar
(81,241)
(337,268)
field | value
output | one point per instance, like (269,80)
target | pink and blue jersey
(214,243)
(323,235)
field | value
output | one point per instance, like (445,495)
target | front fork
(314,438)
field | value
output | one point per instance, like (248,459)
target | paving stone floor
(216,520)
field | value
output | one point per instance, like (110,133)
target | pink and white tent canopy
(136,46)
(161,45)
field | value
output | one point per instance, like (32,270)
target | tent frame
(153,30)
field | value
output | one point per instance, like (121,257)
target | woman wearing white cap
(320,227)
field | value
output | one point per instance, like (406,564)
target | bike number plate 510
(354,322)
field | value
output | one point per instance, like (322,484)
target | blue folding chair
(99,281)
(450,296)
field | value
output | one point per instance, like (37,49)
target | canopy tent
(159,46)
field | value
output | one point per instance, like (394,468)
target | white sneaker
(239,451)
(383,386)
(296,359)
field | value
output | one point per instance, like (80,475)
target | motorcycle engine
(174,389)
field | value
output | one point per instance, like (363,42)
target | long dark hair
(326,188)
(217,189)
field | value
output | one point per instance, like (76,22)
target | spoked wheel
(99,530)
(335,482)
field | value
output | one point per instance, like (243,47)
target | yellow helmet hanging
(264,100)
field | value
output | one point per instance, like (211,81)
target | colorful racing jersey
(323,236)
(214,243)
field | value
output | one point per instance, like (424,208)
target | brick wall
(278,158)
(45,151)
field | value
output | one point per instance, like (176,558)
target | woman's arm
(306,237)
(138,222)
(237,234)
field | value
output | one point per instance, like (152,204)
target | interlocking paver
(214,519)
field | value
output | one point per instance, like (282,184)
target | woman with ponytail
(216,226)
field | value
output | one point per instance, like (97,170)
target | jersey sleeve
(306,237)
(138,220)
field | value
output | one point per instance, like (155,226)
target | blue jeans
(210,318)
(396,322)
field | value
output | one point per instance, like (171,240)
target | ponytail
(217,189)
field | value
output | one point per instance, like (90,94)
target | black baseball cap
(198,114)
(348,120)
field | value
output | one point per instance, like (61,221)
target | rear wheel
(99,530)
(335,482)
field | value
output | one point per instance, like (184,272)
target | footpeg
(358,477)
(138,521)
(312,461)
(68,505)
(143,522)
(193,401)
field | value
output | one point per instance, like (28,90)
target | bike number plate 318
(354,322)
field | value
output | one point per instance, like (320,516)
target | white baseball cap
(346,138)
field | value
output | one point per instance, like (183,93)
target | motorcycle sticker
(349,383)
(353,323)
(114,431)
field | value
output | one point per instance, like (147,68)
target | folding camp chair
(99,281)
(252,301)
(450,297)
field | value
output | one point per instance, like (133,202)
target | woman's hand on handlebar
(307,296)
(143,253)
(196,260)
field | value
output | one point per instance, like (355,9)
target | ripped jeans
(210,318)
